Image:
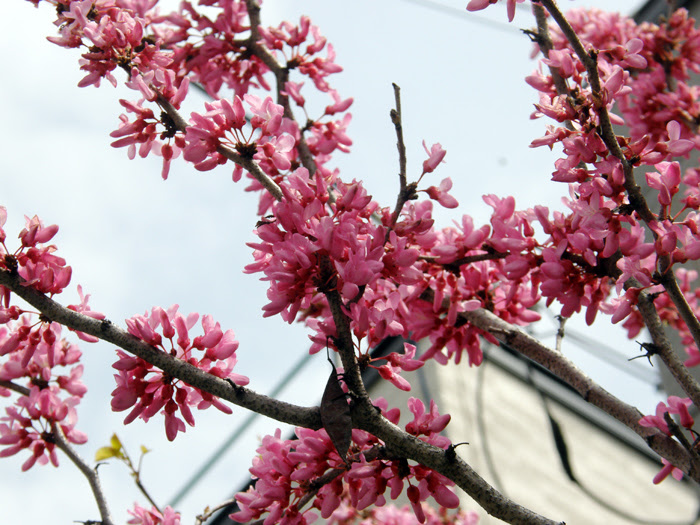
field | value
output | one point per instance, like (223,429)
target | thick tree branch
(308,417)
(639,204)
(565,370)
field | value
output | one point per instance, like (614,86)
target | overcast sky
(135,241)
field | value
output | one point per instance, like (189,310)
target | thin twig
(406,191)
(545,43)
(90,473)
(398,125)
(14,387)
(209,512)
(560,333)
(670,283)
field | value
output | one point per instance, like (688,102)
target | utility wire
(465,15)
(481,424)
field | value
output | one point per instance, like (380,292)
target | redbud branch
(14,387)
(668,280)
(677,431)
(639,204)
(59,439)
(396,120)
(455,266)
(252,167)
(564,369)
(590,391)
(142,488)
(343,339)
(328,476)
(174,114)
(317,484)
(308,417)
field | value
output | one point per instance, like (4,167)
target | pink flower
(666,470)
(478,5)
(143,516)
(441,194)
(677,406)
(435,156)
(34,261)
(666,180)
(85,309)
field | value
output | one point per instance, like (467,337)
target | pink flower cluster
(147,390)
(35,361)
(34,261)
(162,54)
(273,149)
(286,469)
(37,355)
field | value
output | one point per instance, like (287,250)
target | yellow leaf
(144,450)
(116,444)
(105,453)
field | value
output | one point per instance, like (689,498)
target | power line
(463,14)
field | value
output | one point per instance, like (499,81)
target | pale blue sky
(135,241)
